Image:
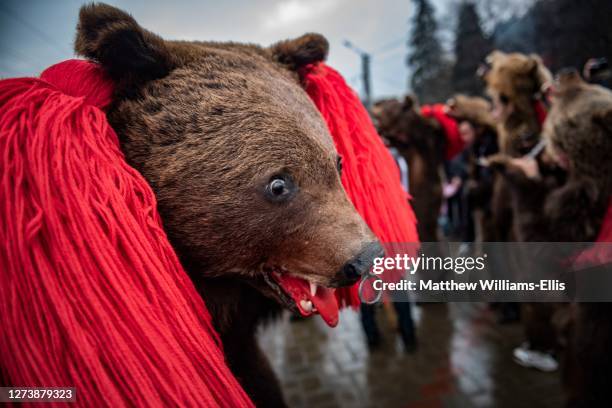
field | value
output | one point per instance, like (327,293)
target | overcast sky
(37,33)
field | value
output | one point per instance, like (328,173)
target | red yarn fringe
(540,111)
(454,143)
(92,294)
(369,175)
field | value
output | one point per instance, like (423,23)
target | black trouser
(404,320)
(468,229)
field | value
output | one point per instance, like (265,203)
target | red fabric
(454,143)
(605,233)
(369,175)
(540,111)
(601,252)
(92,294)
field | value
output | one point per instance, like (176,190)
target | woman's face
(467,132)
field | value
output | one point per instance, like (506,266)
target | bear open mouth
(307,297)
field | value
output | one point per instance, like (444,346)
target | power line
(366,61)
(389,55)
(391,45)
(24,58)
(42,35)
(392,82)
(365,71)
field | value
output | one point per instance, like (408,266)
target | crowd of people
(529,163)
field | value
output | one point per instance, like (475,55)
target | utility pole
(365,68)
(365,72)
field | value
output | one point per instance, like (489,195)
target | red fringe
(605,233)
(92,294)
(540,111)
(454,143)
(370,175)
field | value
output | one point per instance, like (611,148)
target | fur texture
(515,82)
(421,141)
(210,125)
(579,135)
(474,109)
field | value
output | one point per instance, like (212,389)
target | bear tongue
(327,305)
(324,300)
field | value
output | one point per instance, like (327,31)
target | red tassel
(369,173)
(92,294)
(454,143)
(605,232)
(540,111)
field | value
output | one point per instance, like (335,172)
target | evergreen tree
(471,48)
(430,69)
(570,32)
(566,33)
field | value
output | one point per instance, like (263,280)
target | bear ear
(409,103)
(114,39)
(452,103)
(494,56)
(536,59)
(540,72)
(299,52)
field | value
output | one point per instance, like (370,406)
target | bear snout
(360,264)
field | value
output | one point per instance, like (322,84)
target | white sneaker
(465,249)
(535,359)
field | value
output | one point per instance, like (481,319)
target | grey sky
(37,33)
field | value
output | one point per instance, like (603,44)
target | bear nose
(363,261)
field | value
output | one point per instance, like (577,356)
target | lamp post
(365,72)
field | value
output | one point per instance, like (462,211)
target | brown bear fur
(209,125)
(421,142)
(578,132)
(515,82)
(474,109)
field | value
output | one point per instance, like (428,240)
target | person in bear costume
(578,135)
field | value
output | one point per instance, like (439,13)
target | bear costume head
(473,109)
(516,83)
(401,123)
(242,164)
(578,129)
(421,141)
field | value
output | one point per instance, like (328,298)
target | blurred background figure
(422,143)
(402,307)
(597,71)
(478,132)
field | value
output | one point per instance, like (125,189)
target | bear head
(514,79)
(473,109)
(516,82)
(244,169)
(402,125)
(578,129)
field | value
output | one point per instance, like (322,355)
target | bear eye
(279,188)
(504,99)
(339,165)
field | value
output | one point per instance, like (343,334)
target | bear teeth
(313,289)
(306,305)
